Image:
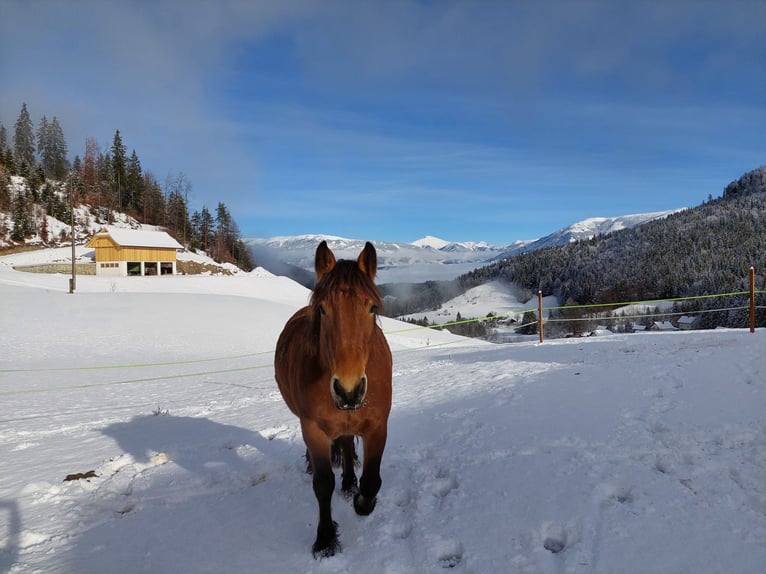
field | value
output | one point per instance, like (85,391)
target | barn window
(166,268)
(134,268)
(150,268)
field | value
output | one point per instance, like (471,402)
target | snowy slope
(586,229)
(496,297)
(631,453)
(431,241)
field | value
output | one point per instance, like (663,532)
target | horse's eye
(374,309)
(322,310)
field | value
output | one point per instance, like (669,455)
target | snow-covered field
(629,453)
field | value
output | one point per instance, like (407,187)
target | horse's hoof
(327,545)
(363,505)
(325,550)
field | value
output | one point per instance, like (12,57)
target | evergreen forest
(107,179)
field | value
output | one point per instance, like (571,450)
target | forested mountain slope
(700,251)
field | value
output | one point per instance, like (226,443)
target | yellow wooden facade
(108,250)
(121,252)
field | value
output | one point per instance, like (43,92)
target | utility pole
(73,279)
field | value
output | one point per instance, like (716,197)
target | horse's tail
(336,455)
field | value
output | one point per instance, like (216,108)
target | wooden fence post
(752,299)
(540,314)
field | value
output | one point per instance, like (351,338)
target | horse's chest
(335,424)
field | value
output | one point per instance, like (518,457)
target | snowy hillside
(629,453)
(429,258)
(88,220)
(496,297)
(588,228)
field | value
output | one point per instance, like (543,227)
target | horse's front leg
(369,484)
(326,543)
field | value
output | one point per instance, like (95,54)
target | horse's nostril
(337,388)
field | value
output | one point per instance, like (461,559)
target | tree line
(109,180)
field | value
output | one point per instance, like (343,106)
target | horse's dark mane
(346,276)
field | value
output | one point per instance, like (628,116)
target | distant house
(662,326)
(123,252)
(685,323)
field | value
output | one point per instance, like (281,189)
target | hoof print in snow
(554,538)
(554,545)
(128,507)
(624,496)
(662,465)
(621,494)
(450,561)
(444,483)
(450,553)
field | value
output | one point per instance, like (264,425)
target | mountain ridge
(427,258)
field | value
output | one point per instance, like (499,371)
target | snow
(431,241)
(141,238)
(629,453)
(497,297)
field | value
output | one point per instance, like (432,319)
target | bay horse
(333,367)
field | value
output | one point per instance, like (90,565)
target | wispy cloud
(375,106)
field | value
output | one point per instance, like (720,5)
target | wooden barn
(123,252)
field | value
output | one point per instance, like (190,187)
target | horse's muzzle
(347,400)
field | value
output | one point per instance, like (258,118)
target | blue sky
(392,120)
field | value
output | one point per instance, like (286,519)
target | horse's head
(345,305)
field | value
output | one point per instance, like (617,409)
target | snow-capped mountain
(429,241)
(586,229)
(428,258)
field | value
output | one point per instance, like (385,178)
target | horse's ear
(368,260)
(324,260)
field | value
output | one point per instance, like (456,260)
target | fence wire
(440,326)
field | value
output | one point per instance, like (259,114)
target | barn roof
(139,238)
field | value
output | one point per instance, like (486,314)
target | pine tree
(5,194)
(154,211)
(106,185)
(222,231)
(43,145)
(134,184)
(118,168)
(77,165)
(89,172)
(57,150)
(20,216)
(23,138)
(206,229)
(10,163)
(177,190)
(3,142)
